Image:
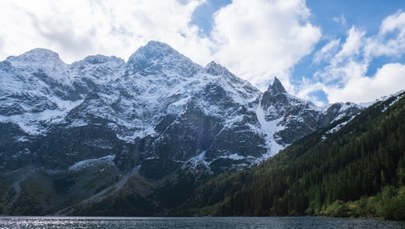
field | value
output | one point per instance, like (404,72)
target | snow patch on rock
(107,161)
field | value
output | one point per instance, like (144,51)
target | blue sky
(322,50)
(203,16)
(362,13)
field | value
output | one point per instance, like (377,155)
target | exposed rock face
(299,117)
(152,117)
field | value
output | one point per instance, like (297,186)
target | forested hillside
(353,169)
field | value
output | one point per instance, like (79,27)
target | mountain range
(104,136)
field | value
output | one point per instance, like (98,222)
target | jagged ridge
(157,115)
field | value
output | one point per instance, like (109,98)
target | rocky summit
(102,131)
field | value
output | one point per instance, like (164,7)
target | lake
(197,222)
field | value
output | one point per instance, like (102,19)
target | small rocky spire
(277,87)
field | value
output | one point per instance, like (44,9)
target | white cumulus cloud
(345,76)
(390,40)
(327,52)
(77,28)
(388,79)
(260,39)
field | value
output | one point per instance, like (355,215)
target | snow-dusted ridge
(158,94)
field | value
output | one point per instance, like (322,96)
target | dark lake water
(199,223)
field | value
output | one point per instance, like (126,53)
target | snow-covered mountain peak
(101,59)
(40,63)
(38,55)
(277,87)
(159,58)
(216,69)
(98,68)
(155,52)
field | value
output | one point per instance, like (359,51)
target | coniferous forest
(359,170)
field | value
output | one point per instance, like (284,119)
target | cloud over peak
(256,40)
(259,39)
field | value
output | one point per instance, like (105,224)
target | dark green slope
(357,171)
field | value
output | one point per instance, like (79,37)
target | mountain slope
(158,118)
(338,163)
